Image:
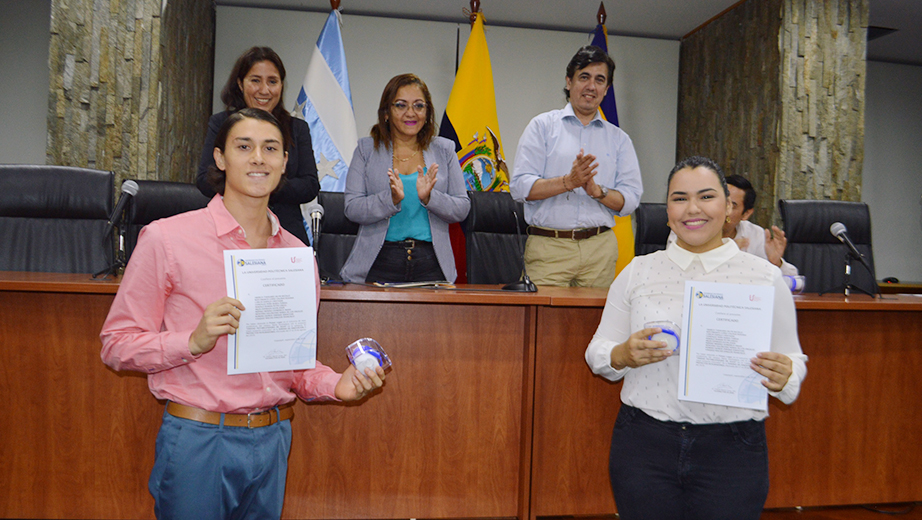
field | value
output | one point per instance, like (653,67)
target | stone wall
(774,90)
(822,78)
(115,102)
(186,83)
(729,92)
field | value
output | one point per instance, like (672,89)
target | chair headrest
(492,212)
(808,221)
(50,191)
(334,214)
(161,199)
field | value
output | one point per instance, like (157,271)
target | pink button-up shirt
(176,270)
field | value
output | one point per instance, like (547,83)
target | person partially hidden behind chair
(222,449)
(751,238)
(574,171)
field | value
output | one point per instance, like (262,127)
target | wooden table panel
(852,436)
(574,415)
(78,439)
(490,410)
(442,439)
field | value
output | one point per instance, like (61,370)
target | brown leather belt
(572,234)
(240,420)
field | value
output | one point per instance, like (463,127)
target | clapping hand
(775,244)
(425,181)
(583,169)
(396,186)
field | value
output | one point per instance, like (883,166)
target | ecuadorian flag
(470,118)
(470,121)
(623,229)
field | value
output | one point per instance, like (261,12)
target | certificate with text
(724,326)
(278,329)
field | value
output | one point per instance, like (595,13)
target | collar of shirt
(569,113)
(710,260)
(225,223)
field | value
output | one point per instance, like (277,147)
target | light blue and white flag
(325,103)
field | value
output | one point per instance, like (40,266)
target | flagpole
(475,8)
(334,4)
(601,15)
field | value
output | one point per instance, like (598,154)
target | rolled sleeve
(530,161)
(628,181)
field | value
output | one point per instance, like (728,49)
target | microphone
(315,211)
(839,231)
(129,189)
(525,284)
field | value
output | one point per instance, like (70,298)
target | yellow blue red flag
(609,110)
(470,117)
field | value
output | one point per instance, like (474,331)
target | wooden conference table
(490,411)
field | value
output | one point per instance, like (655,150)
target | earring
(728,219)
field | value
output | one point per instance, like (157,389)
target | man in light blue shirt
(574,171)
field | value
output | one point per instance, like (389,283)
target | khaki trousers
(572,263)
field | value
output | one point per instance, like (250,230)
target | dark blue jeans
(406,261)
(664,470)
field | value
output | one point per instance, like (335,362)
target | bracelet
(564,180)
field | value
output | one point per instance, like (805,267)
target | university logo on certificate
(724,326)
(278,329)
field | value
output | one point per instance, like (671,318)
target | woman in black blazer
(257,81)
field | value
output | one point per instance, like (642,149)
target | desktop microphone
(525,284)
(315,211)
(839,231)
(129,189)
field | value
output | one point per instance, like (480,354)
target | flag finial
(475,8)
(334,4)
(601,14)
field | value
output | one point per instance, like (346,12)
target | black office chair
(651,231)
(337,235)
(494,248)
(818,254)
(159,199)
(53,219)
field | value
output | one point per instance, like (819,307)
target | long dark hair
(218,178)
(232,96)
(381,131)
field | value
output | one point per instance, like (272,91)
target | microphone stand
(525,284)
(848,286)
(120,256)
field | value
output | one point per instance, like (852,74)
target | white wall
(529,67)
(24,37)
(892,176)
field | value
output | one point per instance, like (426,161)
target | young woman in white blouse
(673,459)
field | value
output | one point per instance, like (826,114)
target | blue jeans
(663,470)
(203,471)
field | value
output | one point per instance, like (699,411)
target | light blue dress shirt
(548,148)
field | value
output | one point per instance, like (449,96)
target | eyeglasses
(401,107)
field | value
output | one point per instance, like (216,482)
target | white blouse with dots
(651,288)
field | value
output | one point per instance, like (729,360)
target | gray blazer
(369,204)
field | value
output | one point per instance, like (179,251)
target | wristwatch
(604,193)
